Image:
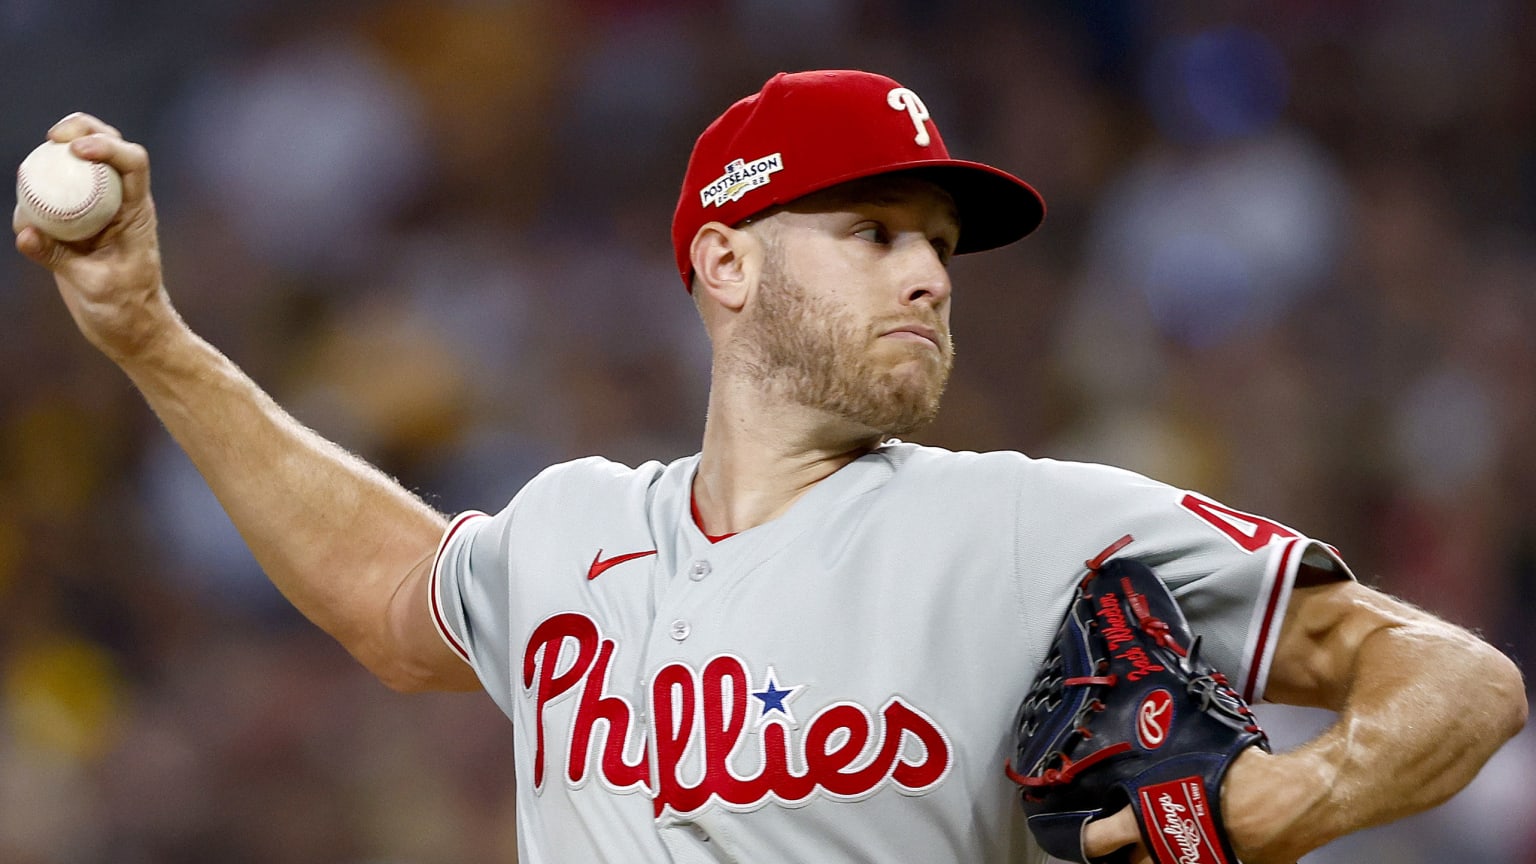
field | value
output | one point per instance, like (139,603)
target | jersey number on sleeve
(1251,533)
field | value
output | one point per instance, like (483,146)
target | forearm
(1426,705)
(346,544)
(334,534)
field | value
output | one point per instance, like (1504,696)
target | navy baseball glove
(1125,712)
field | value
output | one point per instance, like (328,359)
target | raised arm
(348,546)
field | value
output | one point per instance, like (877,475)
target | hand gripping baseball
(1125,713)
(111,281)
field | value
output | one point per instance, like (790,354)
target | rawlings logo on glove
(1124,712)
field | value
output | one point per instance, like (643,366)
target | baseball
(64,196)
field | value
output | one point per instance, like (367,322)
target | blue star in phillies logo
(776,700)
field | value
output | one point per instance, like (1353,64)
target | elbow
(1509,705)
(1519,704)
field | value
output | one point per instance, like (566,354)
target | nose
(928,281)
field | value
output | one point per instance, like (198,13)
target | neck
(760,455)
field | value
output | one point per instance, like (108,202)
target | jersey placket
(699,669)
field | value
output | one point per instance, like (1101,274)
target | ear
(726,263)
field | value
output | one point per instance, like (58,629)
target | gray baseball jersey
(838,684)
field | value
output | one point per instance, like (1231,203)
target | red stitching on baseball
(98,189)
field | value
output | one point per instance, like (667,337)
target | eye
(944,248)
(873,232)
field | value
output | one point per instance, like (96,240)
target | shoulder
(1074,478)
(1049,502)
(909,458)
(594,478)
(596,469)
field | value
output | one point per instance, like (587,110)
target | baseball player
(808,641)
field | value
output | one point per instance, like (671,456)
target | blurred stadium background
(1289,261)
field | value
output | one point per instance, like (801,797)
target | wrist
(1274,806)
(164,357)
(139,331)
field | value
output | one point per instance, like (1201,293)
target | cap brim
(995,207)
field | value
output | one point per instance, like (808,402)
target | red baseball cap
(808,131)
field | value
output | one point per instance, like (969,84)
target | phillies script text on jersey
(706,713)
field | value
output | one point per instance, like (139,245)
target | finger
(131,161)
(1103,836)
(38,247)
(79,124)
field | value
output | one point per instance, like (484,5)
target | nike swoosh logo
(599,564)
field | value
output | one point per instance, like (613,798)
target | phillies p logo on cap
(807,131)
(903,99)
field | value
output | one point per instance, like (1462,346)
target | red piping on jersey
(437,609)
(1276,591)
(693,507)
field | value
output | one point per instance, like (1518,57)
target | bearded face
(814,351)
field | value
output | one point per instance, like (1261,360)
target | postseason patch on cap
(740,177)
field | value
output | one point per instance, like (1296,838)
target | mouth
(917,333)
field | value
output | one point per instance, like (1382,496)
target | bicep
(1326,623)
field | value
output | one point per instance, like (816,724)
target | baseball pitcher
(811,640)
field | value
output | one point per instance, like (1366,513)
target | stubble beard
(812,352)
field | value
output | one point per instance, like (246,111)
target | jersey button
(680,630)
(698,571)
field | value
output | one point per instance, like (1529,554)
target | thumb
(38,246)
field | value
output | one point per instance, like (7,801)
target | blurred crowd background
(1289,261)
